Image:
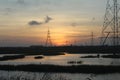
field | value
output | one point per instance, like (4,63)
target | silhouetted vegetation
(40,50)
(111,56)
(74,62)
(39,57)
(28,76)
(97,69)
(11,57)
(90,56)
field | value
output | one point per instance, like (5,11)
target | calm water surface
(59,60)
(63,60)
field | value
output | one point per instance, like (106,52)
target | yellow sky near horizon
(71,23)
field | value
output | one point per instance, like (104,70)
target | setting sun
(25,25)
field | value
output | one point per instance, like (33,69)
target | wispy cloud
(21,2)
(79,36)
(74,24)
(8,11)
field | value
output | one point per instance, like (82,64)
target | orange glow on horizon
(59,43)
(59,40)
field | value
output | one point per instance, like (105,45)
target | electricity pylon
(48,40)
(111,25)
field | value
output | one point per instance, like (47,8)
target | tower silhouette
(92,39)
(48,40)
(111,25)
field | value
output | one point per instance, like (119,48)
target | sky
(26,22)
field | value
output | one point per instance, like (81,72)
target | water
(59,60)
(63,60)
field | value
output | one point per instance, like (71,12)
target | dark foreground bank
(97,69)
(55,50)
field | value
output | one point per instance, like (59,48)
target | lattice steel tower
(48,40)
(111,25)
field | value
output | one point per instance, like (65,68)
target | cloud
(33,23)
(48,19)
(20,1)
(74,24)
(8,11)
(79,36)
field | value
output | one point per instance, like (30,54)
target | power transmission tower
(111,26)
(48,40)
(92,39)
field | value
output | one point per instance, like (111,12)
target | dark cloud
(35,23)
(32,23)
(48,19)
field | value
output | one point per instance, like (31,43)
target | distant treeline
(56,50)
